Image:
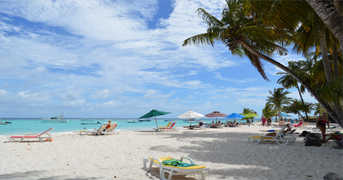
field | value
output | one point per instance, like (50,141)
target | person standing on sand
(269,122)
(263,119)
(322,121)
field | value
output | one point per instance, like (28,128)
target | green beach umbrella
(249,115)
(154,113)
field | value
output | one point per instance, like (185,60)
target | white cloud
(95,19)
(110,103)
(33,96)
(3,92)
(102,93)
(130,58)
(219,76)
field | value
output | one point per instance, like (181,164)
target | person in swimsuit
(322,121)
(108,125)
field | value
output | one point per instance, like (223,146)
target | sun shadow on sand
(229,155)
(155,172)
(40,175)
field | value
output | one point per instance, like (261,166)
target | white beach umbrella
(190,115)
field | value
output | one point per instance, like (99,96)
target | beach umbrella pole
(156,123)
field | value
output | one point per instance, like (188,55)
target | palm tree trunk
(338,117)
(328,13)
(326,61)
(335,65)
(302,100)
(339,6)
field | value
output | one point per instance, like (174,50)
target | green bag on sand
(177,163)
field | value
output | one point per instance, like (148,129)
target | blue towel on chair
(177,163)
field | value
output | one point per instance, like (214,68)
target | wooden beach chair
(174,170)
(44,136)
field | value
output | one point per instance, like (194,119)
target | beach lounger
(192,127)
(298,125)
(93,131)
(167,126)
(100,131)
(174,170)
(110,130)
(41,137)
(171,127)
(280,138)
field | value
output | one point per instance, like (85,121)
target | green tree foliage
(259,29)
(298,107)
(278,100)
(268,111)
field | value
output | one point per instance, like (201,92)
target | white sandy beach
(226,152)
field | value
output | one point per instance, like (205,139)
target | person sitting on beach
(108,125)
(214,124)
(229,124)
(288,129)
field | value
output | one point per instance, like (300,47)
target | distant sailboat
(55,119)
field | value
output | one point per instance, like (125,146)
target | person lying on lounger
(104,128)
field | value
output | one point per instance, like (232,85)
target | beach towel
(177,163)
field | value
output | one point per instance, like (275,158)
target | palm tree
(245,32)
(331,16)
(268,111)
(278,100)
(318,109)
(296,107)
(249,112)
(288,82)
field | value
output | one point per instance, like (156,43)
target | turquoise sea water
(38,125)
(19,126)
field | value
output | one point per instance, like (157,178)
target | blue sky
(106,58)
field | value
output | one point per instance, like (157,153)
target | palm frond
(208,18)
(255,61)
(204,38)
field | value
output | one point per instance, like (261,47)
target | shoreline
(225,151)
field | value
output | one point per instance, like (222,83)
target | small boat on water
(144,120)
(132,121)
(5,122)
(91,123)
(55,119)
